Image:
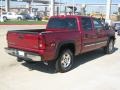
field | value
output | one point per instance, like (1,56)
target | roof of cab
(70,16)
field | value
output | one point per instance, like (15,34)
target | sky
(90,1)
(93,8)
(88,8)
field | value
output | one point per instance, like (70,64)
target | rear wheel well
(69,46)
(4,17)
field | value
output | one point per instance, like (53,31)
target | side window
(86,24)
(9,14)
(97,24)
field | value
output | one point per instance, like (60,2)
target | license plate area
(21,53)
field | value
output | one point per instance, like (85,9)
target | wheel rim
(66,60)
(111,46)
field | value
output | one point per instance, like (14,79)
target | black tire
(4,18)
(19,18)
(109,49)
(19,59)
(65,61)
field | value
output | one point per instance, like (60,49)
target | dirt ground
(92,71)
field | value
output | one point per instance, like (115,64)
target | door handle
(98,33)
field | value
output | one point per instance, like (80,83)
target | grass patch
(23,22)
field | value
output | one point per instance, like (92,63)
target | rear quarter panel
(55,38)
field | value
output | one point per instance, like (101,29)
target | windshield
(57,23)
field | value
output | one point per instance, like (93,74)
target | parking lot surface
(92,71)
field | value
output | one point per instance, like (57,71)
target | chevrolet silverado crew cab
(63,38)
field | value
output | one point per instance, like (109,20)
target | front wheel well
(112,38)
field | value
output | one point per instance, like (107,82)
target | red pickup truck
(63,38)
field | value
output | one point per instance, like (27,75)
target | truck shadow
(79,60)
(40,66)
(87,57)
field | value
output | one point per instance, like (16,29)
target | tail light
(41,42)
(8,33)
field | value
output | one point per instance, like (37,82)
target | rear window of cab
(58,23)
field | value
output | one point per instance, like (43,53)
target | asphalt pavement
(92,71)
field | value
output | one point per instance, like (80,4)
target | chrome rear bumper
(23,54)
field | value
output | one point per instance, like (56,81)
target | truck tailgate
(23,40)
